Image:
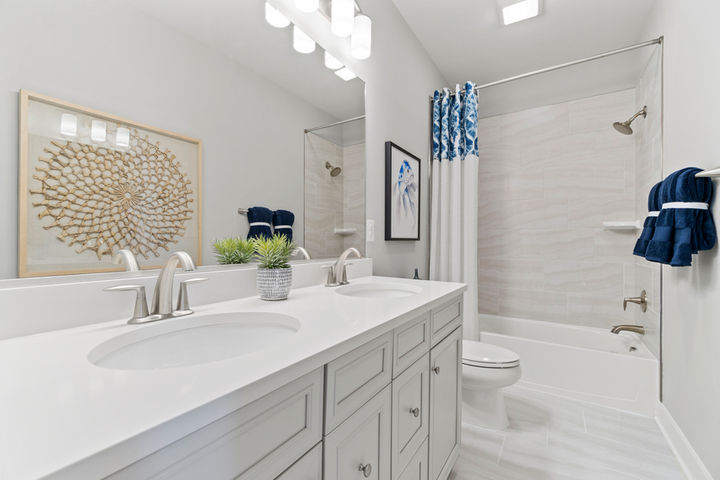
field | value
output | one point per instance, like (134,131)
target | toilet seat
(485,355)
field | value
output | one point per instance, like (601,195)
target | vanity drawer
(355,378)
(256,442)
(359,448)
(309,467)
(417,469)
(445,319)
(411,412)
(410,342)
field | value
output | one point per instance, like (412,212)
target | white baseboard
(690,462)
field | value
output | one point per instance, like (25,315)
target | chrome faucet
(628,328)
(641,300)
(163,297)
(337,274)
(303,252)
(126,256)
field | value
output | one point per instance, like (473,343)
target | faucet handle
(331,276)
(140,312)
(183,303)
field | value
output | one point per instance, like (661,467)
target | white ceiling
(467,41)
(237,29)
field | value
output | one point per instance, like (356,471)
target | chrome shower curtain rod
(655,41)
(341,122)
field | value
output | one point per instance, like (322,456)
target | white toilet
(486,370)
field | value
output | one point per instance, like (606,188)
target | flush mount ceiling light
(346,74)
(307,6)
(331,62)
(302,42)
(274,17)
(342,17)
(514,11)
(360,43)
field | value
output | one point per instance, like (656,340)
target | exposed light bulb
(302,42)
(307,6)
(274,17)
(98,131)
(346,74)
(68,125)
(122,137)
(331,62)
(342,17)
(361,41)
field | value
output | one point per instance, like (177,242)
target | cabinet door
(309,467)
(359,448)
(411,413)
(417,469)
(445,404)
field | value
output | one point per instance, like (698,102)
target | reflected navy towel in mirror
(685,225)
(283,221)
(649,225)
(260,219)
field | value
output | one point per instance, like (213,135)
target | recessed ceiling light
(346,74)
(519,11)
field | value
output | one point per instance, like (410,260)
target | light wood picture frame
(91,183)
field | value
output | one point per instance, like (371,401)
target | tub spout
(628,328)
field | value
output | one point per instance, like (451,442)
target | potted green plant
(274,275)
(233,250)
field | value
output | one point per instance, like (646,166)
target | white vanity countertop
(57,409)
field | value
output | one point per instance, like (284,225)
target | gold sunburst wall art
(92,183)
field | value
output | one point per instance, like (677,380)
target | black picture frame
(393,154)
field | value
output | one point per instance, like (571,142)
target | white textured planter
(274,284)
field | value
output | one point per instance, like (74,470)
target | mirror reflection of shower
(624,127)
(335,187)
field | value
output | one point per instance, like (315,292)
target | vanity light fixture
(331,62)
(98,131)
(517,11)
(307,6)
(122,137)
(342,17)
(346,74)
(68,125)
(301,41)
(361,40)
(274,17)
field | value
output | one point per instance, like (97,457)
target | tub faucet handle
(641,300)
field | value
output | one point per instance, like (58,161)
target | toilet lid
(479,354)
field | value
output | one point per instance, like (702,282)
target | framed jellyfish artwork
(402,194)
(92,183)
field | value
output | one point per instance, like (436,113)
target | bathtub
(583,363)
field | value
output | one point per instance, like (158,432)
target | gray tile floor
(553,438)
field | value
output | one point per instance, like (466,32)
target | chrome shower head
(334,171)
(624,127)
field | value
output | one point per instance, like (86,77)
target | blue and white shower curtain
(454,190)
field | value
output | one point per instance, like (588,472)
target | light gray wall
(691,303)
(106,55)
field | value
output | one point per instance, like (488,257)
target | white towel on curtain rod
(454,191)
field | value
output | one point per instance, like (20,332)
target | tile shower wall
(549,177)
(333,202)
(644,275)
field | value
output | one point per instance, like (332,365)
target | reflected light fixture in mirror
(301,41)
(346,74)
(342,17)
(68,125)
(274,17)
(98,131)
(307,6)
(331,62)
(360,43)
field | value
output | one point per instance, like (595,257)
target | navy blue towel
(649,225)
(685,225)
(260,219)
(283,221)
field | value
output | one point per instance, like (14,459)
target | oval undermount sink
(194,340)
(377,290)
